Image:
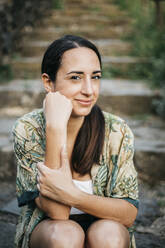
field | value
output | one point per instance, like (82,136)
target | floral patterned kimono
(115,175)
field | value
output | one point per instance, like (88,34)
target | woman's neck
(74,125)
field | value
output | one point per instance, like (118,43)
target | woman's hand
(57,109)
(57,184)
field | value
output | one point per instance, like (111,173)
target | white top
(85,186)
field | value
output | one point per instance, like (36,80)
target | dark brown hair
(89,142)
(90,139)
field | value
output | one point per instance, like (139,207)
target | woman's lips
(84,102)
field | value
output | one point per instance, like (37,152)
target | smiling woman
(76,182)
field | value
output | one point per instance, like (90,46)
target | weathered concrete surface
(149,147)
(150,227)
(7,163)
(89,31)
(7,234)
(7,192)
(125,96)
(150,166)
(7,160)
(22,93)
(12,207)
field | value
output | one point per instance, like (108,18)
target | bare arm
(54,141)
(104,207)
(56,137)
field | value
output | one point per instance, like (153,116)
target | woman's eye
(75,77)
(96,77)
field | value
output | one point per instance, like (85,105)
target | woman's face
(78,78)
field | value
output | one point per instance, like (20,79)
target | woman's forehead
(80,57)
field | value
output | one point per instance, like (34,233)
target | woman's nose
(87,87)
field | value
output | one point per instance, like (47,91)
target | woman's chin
(81,112)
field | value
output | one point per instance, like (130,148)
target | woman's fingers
(38,186)
(42,169)
(57,116)
(40,166)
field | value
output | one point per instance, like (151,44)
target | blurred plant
(148,41)
(15,17)
(5,73)
(58,4)
(159,104)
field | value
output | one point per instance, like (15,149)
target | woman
(75,177)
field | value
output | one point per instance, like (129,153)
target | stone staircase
(103,23)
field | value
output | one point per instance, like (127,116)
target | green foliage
(122,3)
(111,72)
(133,71)
(159,104)
(5,73)
(94,8)
(161,202)
(58,4)
(148,41)
(129,6)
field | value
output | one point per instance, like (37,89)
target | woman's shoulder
(111,118)
(28,122)
(116,124)
(112,121)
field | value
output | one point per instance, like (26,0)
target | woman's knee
(58,233)
(107,233)
(68,233)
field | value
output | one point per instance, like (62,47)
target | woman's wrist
(59,133)
(55,127)
(56,138)
(73,199)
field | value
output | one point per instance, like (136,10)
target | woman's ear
(48,84)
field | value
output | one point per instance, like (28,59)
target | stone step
(89,31)
(125,97)
(112,47)
(107,47)
(114,17)
(7,161)
(26,67)
(149,148)
(84,8)
(21,93)
(117,96)
(12,207)
(29,67)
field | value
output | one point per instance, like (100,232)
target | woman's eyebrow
(96,72)
(81,72)
(77,72)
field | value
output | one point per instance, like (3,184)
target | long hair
(90,139)
(89,142)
